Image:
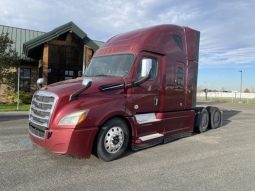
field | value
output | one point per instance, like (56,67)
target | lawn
(6,107)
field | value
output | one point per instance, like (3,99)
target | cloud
(227,30)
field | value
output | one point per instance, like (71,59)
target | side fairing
(192,43)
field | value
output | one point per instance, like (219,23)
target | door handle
(155,101)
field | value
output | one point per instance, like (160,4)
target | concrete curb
(14,113)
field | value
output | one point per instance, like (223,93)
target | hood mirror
(40,82)
(86,82)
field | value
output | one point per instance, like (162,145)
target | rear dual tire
(209,117)
(215,117)
(202,120)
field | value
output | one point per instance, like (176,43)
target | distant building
(60,54)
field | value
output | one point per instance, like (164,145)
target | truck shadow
(227,115)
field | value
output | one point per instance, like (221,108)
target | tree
(8,62)
(247,90)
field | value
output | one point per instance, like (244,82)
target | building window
(69,74)
(79,73)
(25,79)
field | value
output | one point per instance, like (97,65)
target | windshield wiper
(98,75)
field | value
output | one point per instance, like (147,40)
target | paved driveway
(221,159)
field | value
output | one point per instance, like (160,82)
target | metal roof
(31,47)
(19,36)
(27,42)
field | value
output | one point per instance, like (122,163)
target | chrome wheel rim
(114,139)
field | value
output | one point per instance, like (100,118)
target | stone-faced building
(60,54)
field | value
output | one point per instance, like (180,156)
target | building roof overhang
(33,48)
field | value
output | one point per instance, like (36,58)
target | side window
(178,41)
(154,68)
(179,76)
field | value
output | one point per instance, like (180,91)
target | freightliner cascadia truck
(138,91)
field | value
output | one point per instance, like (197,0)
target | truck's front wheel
(112,139)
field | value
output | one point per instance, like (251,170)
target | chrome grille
(36,131)
(42,105)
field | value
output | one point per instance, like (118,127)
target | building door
(65,62)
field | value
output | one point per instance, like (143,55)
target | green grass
(7,107)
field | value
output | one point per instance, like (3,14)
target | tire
(113,139)
(215,117)
(202,121)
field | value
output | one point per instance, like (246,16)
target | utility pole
(241,84)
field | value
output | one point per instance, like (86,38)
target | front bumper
(75,142)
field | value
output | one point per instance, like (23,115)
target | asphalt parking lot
(220,159)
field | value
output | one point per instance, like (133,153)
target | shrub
(24,97)
(11,97)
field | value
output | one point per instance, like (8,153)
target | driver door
(145,97)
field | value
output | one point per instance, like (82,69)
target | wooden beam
(45,63)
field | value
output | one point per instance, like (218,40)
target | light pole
(241,84)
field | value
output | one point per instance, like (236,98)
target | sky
(227,41)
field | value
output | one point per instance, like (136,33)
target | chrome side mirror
(40,82)
(146,67)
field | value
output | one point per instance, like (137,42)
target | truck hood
(69,87)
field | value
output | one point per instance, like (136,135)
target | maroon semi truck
(138,91)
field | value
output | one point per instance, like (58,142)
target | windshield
(113,65)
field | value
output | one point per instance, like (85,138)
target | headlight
(74,118)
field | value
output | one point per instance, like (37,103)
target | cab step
(148,141)
(151,136)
